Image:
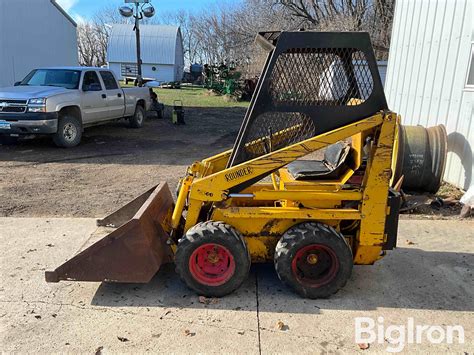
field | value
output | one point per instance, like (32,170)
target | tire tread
(298,236)
(209,231)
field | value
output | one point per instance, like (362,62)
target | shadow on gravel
(406,278)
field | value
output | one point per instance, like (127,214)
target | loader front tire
(313,259)
(212,259)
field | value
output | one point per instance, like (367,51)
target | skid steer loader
(259,202)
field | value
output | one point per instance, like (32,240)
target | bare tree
(212,31)
(225,33)
(373,16)
(253,17)
(89,51)
(93,35)
(186,22)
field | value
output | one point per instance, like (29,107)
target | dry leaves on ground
(281,326)
(188,333)
(205,300)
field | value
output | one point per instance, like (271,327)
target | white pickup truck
(62,101)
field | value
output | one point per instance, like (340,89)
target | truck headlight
(37,105)
(40,101)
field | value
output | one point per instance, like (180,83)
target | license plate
(5,125)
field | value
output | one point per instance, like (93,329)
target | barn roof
(158,44)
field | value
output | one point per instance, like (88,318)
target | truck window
(91,78)
(109,80)
(65,78)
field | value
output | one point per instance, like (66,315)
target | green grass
(193,96)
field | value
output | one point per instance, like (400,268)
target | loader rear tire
(313,259)
(212,259)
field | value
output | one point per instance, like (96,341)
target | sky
(84,9)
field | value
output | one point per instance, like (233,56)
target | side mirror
(17,83)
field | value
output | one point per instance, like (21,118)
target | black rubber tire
(159,113)
(303,235)
(8,140)
(63,137)
(138,118)
(216,233)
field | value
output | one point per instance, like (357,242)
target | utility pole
(143,8)
(137,37)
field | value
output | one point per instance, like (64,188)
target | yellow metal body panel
(374,203)
(211,187)
(263,211)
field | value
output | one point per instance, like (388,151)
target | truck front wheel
(69,132)
(136,121)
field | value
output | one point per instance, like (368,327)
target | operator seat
(335,163)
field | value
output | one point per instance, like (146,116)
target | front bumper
(30,123)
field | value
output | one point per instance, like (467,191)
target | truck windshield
(64,78)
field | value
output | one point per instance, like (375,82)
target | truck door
(94,104)
(115,99)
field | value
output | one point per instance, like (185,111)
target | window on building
(470,72)
(109,80)
(128,69)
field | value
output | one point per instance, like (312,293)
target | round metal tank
(421,157)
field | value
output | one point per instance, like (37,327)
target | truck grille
(13,106)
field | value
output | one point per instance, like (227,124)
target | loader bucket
(134,251)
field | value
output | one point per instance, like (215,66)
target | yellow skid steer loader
(260,201)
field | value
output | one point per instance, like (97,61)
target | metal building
(161,51)
(34,34)
(382,67)
(430,75)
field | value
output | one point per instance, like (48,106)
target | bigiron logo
(238,173)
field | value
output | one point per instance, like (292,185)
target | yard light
(126,11)
(143,8)
(149,11)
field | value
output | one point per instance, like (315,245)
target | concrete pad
(429,279)
(80,317)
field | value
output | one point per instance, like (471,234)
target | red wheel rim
(212,264)
(315,265)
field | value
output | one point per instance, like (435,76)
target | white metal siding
(426,74)
(163,73)
(38,35)
(337,87)
(158,44)
(382,67)
(179,59)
